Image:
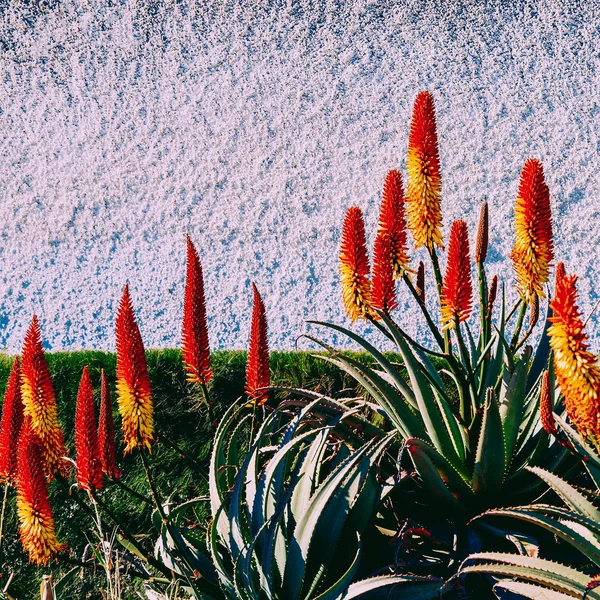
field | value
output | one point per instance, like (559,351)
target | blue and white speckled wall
(253,126)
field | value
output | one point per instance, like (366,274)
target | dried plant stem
(4,500)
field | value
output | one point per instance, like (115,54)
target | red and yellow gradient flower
(457,291)
(577,370)
(533,250)
(39,402)
(36,524)
(195,350)
(393,222)
(383,293)
(354,266)
(424,179)
(89,472)
(134,394)
(257,366)
(10,427)
(106,432)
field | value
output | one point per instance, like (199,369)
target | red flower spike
(457,289)
(257,367)
(546,408)
(533,250)
(36,524)
(194,337)
(106,432)
(89,472)
(354,266)
(424,179)
(39,402)
(10,427)
(560,273)
(577,370)
(383,294)
(134,394)
(393,222)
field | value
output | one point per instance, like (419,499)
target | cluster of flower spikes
(576,368)
(134,393)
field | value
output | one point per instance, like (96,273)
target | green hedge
(183,431)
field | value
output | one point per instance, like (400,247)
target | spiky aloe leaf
(376,354)
(511,407)
(529,591)
(568,494)
(431,465)
(554,575)
(398,411)
(333,491)
(408,587)
(488,473)
(569,529)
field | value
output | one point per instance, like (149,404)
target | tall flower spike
(424,180)
(10,427)
(89,472)
(533,250)
(383,295)
(492,296)
(457,292)
(482,235)
(257,366)
(36,524)
(354,266)
(393,222)
(39,402)
(577,371)
(106,432)
(546,408)
(194,338)
(134,394)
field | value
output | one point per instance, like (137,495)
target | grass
(179,459)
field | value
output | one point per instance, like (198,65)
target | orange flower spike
(424,179)
(392,221)
(36,524)
(457,289)
(257,366)
(39,402)
(354,266)
(546,408)
(383,295)
(10,427)
(577,371)
(89,472)
(533,250)
(194,338)
(106,432)
(134,394)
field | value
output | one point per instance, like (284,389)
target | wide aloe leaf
(554,575)
(488,472)
(406,587)
(529,591)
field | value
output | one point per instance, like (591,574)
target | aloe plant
(577,524)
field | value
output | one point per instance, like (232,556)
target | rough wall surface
(253,126)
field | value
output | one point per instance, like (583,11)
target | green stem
(483,300)
(380,327)
(519,325)
(209,406)
(123,531)
(434,330)
(4,499)
(131,491)
(438,281)
(470,382)
(183,455)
